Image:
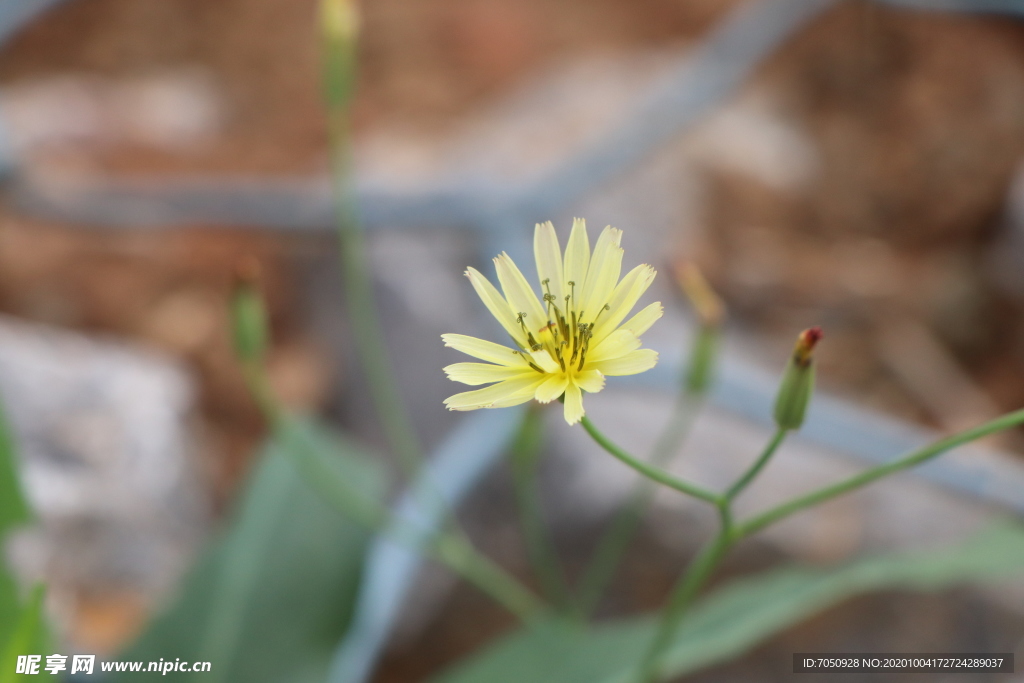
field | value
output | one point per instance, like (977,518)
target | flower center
(566,335)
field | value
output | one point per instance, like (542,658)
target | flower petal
(497,305)
(577,260)
(603,274)
(642,321)
(502,394)
(519,293)
(485,350)
(622,299)
(544,360)
(551,388)
(484,373)
(618,343)
(573,404)
(548,254)
(589,380)
(629,364)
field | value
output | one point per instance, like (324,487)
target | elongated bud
(710,314)
(248,313)
(339,19)
(797,382)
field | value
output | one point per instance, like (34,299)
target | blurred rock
(103,434)
(171,111)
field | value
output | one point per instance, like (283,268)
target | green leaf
(270,599)
(733,619)
(28,637)
(14,510)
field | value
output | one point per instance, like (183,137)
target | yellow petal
(551,388)
(618,343)
(589,380)
(603,273)
(548,254)
(519,294)
(545,362)
(642,321)
(629,364)
(573,403)
(577,260)
(497,305)
(502,394)
(484,373)
(485,350)
(622,299)
(517,398)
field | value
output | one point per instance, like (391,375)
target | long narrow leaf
(272,596)
(28,637)
(735,618)
(14,510)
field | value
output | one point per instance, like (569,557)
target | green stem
(683,594)
(614,543)
(458,555)
(339,86)
(651,472)
(448,546)
(755,469)
(525,453)
(855,482)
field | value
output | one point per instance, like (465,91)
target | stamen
(529,361)
(585,333)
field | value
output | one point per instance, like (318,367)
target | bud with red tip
(797,382)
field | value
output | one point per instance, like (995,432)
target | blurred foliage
(734,618)
(28,635)
(273,595)
(22,626)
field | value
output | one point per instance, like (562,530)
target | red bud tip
(805,344)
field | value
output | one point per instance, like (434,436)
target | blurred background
(867,178)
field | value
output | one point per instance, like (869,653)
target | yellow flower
(567,341)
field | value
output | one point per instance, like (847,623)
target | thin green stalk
(448,546)
(683,594)
(855,482)
(525,453)
(755,469)
(651,472)
(458,555)
(339,86)
(614,543)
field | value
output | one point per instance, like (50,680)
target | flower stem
(612,545)
(339,87)
(755,469)
(456,553)
(525,453)
(910,460)
(650,471)
(448,546)
(683,594)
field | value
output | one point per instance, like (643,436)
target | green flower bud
(710,313)
(702,360)
(797,382)
(248,314)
